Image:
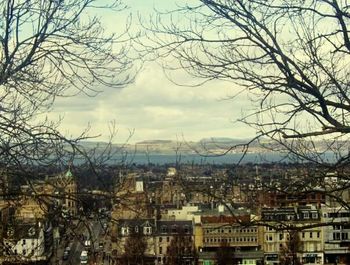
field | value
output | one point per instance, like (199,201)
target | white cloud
(156,109)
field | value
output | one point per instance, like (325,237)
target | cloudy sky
(154,107)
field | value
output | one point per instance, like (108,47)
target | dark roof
(225,219)
(136,222)
(174,227)
(23,231)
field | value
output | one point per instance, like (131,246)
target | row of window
(311,234)
(281,216)
(339,214)
(230,239)
(340,236)
(181,250)
(184,239)
(341,227)
(127,230)
(230,230)
(317,234)
(175,229)
(162,260)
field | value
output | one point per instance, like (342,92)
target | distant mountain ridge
(215,145)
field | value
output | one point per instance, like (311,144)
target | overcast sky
(153,106)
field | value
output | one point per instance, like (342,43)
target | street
(87,230)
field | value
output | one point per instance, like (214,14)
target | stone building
(293,233)
(174,240)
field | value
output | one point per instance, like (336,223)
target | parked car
(84,257)
(87,243)
(65,255)
(100,246)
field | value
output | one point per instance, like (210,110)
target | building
(131,199)
(134,241)
(64,190)
(27,243)
(336,235)
(174,241)
(292,233)
(217,232)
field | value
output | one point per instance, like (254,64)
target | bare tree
(50,49)
(291,58)
(290,250)
(181,250)
(135,248)
(224,254)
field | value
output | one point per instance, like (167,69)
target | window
(160,239)
(160,250)
(281,236)
(125,231)
(318,234)
(336,236)
(310,234)
(147,230)
(164,229)
(174,229)
(136,229)
(23,242)
(186,229)
(167,239)
(303,235)
(344,236)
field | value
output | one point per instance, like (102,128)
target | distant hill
(207,145)
(215,145)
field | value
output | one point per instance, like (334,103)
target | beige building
(63,189)
(217,231)
(131,199)
(283,243)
